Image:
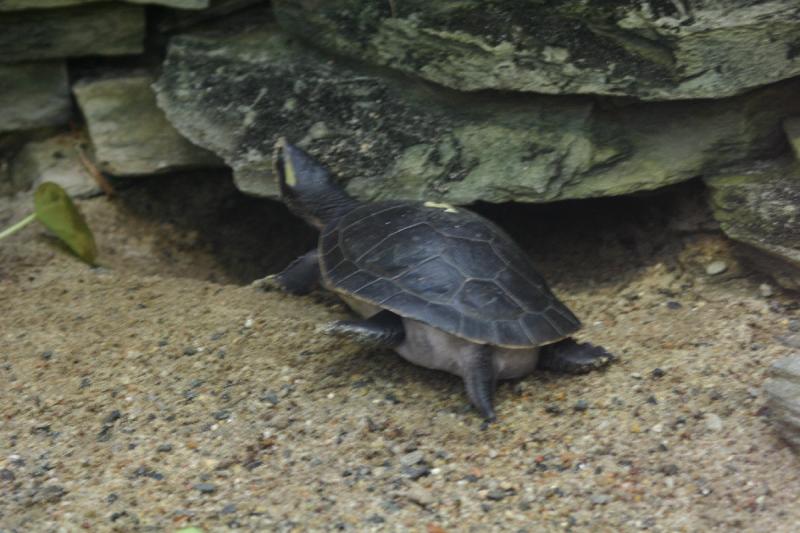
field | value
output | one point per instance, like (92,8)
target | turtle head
(307,188)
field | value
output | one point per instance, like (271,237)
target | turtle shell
(446,267)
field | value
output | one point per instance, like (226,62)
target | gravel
(645,453)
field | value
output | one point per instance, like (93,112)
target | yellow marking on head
(288,174)
(447,207)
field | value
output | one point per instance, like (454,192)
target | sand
(161,391)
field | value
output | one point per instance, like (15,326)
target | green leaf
(55,209)
(189,530)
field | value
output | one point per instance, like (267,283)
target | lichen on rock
(34,95)
(760,207)
(94,30)
(653,50)
(237,89)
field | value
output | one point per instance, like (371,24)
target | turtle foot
(384,329)
(300,277)
(269,283)
(573,358)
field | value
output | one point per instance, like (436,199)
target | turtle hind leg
(300,277)
(480,380)
(383,329)
(572,357)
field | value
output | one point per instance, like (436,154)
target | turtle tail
(480,379)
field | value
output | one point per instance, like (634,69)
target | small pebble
(713,422)
(112,417)
(766,290)
(581,405)
(552,409)
(206,488)
(600,499)
(672,304)
(669,470)
(189,350)
(420,496)
(412,458)
(222,415)
(47,355)
(164,448)
(496,494)
(228,509)
(658,373)
(416,472)
(270,397)
(715,268)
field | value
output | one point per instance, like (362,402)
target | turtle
(442,286)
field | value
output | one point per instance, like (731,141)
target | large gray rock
(55,159)
(129,132)
(761,208)
(236,91)
(783,398)
(94,30)
(34,95)
(17,5)
(642,48)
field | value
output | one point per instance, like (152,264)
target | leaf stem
(18,226)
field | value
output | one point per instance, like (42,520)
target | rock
(173,21)
(55,159)
(715,268)
(96,30)
(34,95)
(761,208)
(713,422)
(419,495)
(792,128)
(206,488)
(783,398)
(48,494)
(17,5)
(766,290)
(496,494)
(649,50)
(393,138)
(129,133)
(412,458)
(177,4)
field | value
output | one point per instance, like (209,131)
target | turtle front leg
(300,277)
(384,329)
(480,380)
(572,357)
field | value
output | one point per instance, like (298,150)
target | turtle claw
(269,283)
(384,329)
(573,358)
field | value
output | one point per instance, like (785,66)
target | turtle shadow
(605,242)
(400,382)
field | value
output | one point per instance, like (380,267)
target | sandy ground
(160,392)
